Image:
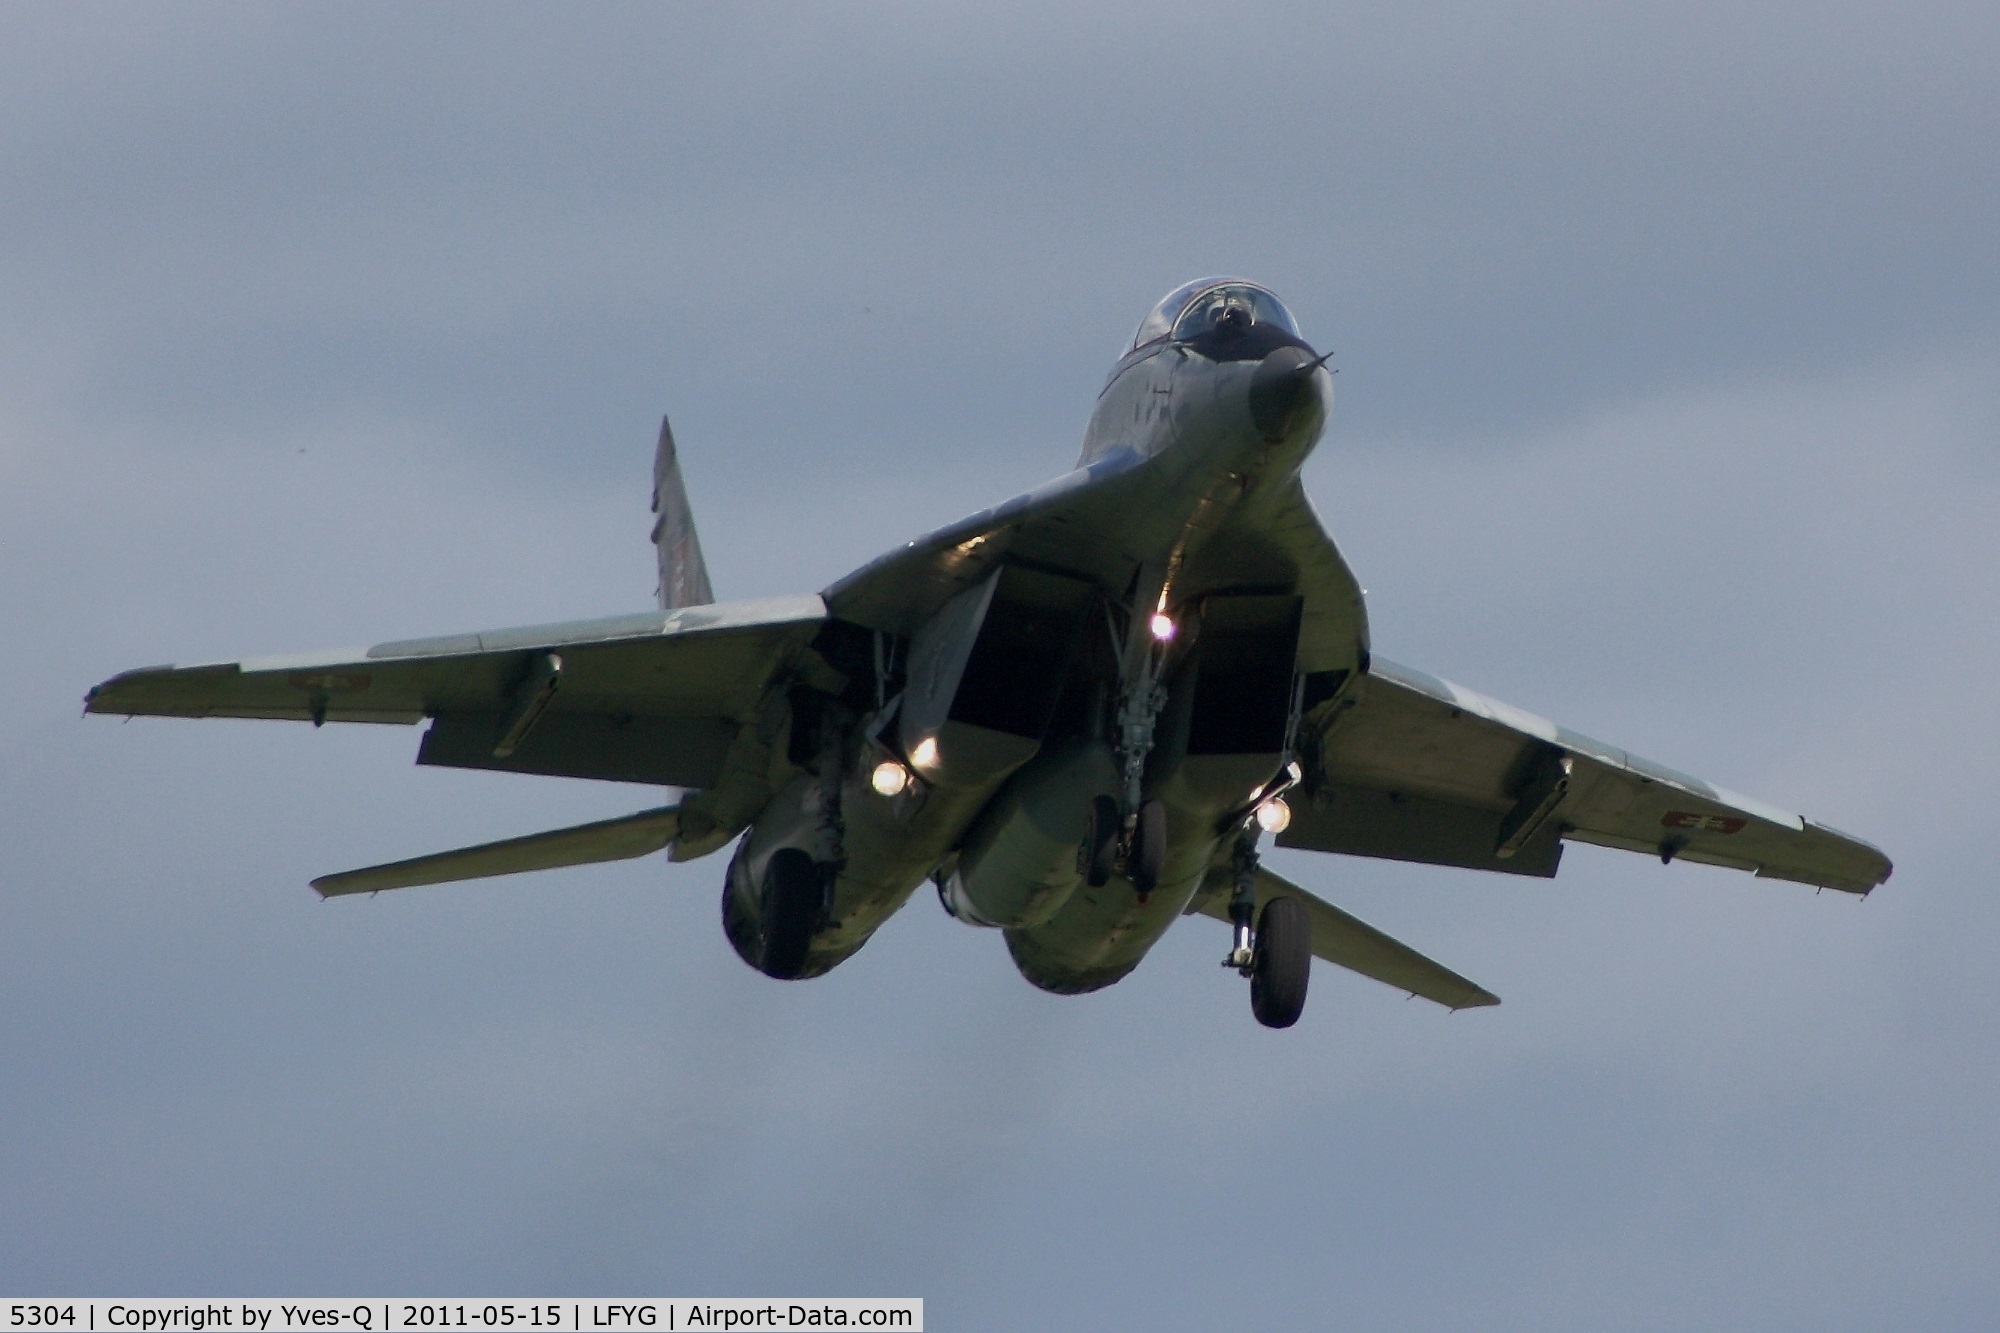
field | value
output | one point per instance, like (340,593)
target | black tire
(1281,963)
(1149,848)
(793,900)
(1100,845)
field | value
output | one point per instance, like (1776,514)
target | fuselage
(1195,443)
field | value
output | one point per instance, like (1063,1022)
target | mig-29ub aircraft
(1075,713)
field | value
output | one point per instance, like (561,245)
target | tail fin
(683,573)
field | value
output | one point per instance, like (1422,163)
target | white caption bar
(379,1314)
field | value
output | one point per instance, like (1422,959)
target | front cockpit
(1224,319)
(1216,364)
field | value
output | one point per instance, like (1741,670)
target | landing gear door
(987,670)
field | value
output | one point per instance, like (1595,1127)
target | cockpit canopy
(1189,311)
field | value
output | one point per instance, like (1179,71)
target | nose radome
(1284,382)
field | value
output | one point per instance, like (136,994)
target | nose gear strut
(1138,720)
(1143,822)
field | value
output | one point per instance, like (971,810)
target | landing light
(926,753)
(889,778)
(1274,816)
(1163,626)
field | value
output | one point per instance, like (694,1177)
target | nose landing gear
(1100,845)
(1147,855)
(1140,831)
(1144,845)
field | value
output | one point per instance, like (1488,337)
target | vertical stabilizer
(683,573)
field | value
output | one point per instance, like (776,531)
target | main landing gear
(1277,953)
(1281,963)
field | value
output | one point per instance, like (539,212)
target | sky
(1668,407)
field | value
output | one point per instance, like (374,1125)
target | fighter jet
(1076,714)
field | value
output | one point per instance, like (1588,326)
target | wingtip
(327,886)
(1485,1000)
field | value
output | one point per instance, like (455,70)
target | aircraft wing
(1352,943)
(1073,522)
(1406,766)
(654,698)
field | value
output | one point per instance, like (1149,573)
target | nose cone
(1285,385)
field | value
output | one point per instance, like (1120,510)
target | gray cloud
(1496,218)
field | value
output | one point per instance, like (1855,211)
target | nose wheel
(1100,846)
(1143,844)
(1148,852)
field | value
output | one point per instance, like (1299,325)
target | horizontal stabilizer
(609,840)
(1352,943)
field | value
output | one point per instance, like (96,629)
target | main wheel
(1100,844)
(793,899)
(1149,848)
(1281,963)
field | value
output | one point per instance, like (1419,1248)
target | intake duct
(986,673)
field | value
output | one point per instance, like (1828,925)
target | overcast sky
(1669,407)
